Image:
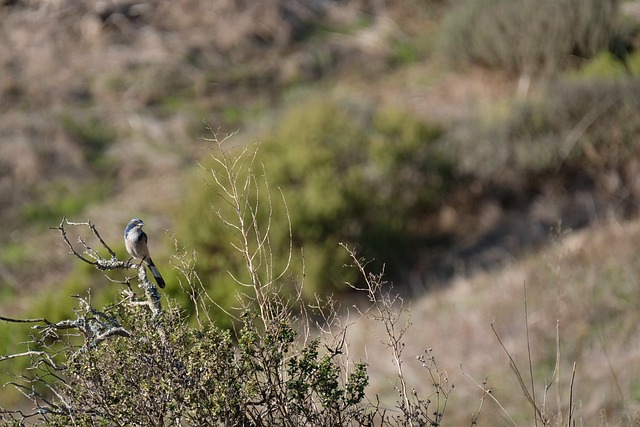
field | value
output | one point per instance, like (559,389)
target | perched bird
(135,240)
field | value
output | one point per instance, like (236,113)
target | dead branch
(38,320)
(91,256)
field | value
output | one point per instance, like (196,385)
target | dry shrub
(527,36)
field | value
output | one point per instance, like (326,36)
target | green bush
(13,254)
(349,174)
(603,65)
(201,377)
(60,198)
(94,136)
(606,66)
(527,36)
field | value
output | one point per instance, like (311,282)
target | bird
(135,240)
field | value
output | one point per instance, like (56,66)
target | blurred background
(466,147)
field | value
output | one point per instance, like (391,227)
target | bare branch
(94,257)
(571,408)
(516,371)
(487,392)
(26,353)
(38,320)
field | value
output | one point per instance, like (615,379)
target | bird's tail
(155,272)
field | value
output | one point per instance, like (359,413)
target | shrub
(349,174)
(527,36)
(582,129)
(166,371)
(607,66)
(61,197)
(135,362)
(94,136)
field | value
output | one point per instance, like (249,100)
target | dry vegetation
(582,287)
(102,106)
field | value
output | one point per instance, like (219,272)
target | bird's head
(134,223)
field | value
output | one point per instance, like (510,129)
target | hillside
(580,297)
(470,162)
(104,108)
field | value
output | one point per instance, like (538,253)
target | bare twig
(526,322)
(235,181)
(487,392)
(388,308)
(32,353)
(96,260)
(573,377)
(581,127)
(516,371)
(38,320)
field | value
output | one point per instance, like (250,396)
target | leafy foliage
(349,173)
(168,372)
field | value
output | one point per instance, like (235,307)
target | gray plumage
(135,240)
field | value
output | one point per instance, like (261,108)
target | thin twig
(526,322)
(516,370)
(98,261)
(581,127)
(487,392)
(38,320)
(573,377)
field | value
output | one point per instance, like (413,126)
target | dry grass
(587,281)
